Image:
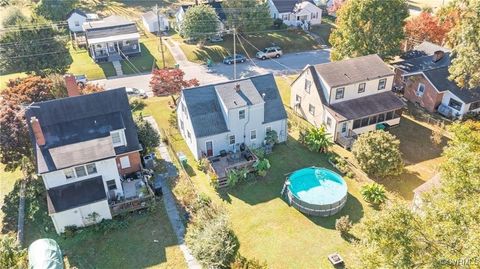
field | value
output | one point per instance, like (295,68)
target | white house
(221,117)
(84,146)
(216,5)
(150,22)
(295,12)
(76,18)
(348,97)
(112,38)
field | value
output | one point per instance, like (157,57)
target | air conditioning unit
(419,94)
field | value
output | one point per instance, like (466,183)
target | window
(339,93)
(77,23)
(80,171)
(329,122)
(474,105)
(311,109)
(241,114)
(308,85)
(111,185)
(381,118)
(181,125)
(389,115)
(455,104)
(183,107)
(285,17)
(253,134)
(231,140)
(361,87)
(373,120)
(189,136)
(382,83)
(69,174)
(357,124)
(91,168)
(117,138)
(315,15)
(420,89)
(125,162)
(364,122)
(344,127)
(298,99)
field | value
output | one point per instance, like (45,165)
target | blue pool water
(318,186)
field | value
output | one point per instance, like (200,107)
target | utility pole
(234,53)
(160,34)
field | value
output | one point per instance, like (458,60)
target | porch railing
(132,204)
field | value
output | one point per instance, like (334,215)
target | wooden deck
(135,197)
(221,165)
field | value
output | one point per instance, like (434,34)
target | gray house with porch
(112,38)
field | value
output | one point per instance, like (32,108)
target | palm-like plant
(317,139)
(374,193)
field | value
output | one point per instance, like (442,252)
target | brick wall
(135,163)
(430,100)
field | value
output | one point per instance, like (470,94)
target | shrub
(241,262)
(343,224)
(69,231)
(147,135)
(374,193)
(11,254)
(271,138)
(317,139)
(137,105)
(378,153)
(262,166)
(277,23)
(236,175)
(211,240)
(13,17)
(202,164)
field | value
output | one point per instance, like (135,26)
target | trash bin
(177,66)
(149,161)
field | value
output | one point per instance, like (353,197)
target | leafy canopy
(169,81)
(200,21)
(248,15)
(148,136)
(374,193)
(426,27)
(55,10)
(378,153)
(317,139)
(367,27)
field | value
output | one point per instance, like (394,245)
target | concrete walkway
(170,205)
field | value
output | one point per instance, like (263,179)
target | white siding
(105,168)
(75,17)
(446,99)
(351,91)
(79,216)
(152,25)
(307,99)
(188,127)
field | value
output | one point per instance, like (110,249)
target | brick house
(85,146)
(423,74)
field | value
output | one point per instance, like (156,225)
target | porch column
(118,48)
(138,44)
(108,50)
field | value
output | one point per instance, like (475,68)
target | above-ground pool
(316,191)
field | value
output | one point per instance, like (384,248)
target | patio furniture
(335,259)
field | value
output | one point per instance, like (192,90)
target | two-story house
(296,12)
(424,76)
(83,145)
(221,117)
(349,97)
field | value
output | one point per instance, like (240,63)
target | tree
(59,88)
(201,21)
(11,254)
(14,17)
(465,67)
(55,10)
(248,15)
(425,27)
(336,5)
(34,48)
(170,81)
(148,136)
(369,26)
(317,139)
(447,231)
(378,153)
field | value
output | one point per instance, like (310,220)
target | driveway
(290,63)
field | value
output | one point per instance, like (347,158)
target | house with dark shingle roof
(112,38)
(348,97)
(423,74)
(296,12)
(83,146)
(223,116)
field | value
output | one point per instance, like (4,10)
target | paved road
(287,64)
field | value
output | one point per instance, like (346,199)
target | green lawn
(289,40)
(150,53)
(84,64)
(323,30)
(7,183)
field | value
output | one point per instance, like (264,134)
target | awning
(113,38)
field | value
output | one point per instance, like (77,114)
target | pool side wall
(316,210)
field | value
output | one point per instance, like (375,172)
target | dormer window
(241,114)
(339,93)
(361,87)
(382,83)
(118,138)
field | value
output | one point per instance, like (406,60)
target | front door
(111,47)
(209,145)
(344,129)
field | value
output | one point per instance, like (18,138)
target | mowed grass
(84,64)
(288,40)
(266,226)
(150,57)
(7,182)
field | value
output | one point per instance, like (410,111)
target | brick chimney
(71,83)
(37,131)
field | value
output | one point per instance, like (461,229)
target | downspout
(245,126)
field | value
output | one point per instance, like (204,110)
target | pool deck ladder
(282,193)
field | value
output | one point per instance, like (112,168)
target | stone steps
(118,68)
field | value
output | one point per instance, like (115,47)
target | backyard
(288,40)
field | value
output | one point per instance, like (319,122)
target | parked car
(81,80)
(270,52)
(216,39)
(239,58)
(134,92)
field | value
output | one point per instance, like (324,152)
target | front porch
(136,194)
(114,50)
(221,165)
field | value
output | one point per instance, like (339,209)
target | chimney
(37,131)
(237,87)
(437,56)
(71,83)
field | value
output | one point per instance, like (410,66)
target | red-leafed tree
(170,81)
(336,5)
(426,27)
